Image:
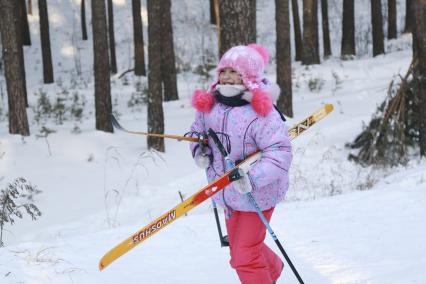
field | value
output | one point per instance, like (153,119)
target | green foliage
(315,84)
(16,198)
(139,97)
(65,106)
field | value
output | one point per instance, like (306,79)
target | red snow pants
(253,260)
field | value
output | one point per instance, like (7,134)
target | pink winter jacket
(248,132)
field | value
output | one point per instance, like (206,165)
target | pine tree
(111,37)
(83,19)
(419,41)
(377,23)
(325,28)
(297,30)
(392,19)
(103,107)
(13,68)
(408,16)
(310,33)
(155,106)
(23,19)
(168,65)
(45,42)
(283,56)
(138,39)
(237,24)
(348,28)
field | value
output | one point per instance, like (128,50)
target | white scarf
(230,90)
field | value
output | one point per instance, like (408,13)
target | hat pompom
(261,102)
(202,100)
(261,50)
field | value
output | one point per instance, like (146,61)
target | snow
(340,223)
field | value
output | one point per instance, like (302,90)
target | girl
(239,106)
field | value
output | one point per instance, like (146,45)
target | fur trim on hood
(261,98)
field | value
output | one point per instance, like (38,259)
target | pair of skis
(203,194)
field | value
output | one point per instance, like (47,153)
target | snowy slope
(363,237)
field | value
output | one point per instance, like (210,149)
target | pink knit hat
(249,61)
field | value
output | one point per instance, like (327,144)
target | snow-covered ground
(339,224)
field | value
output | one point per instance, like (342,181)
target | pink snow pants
(253,260)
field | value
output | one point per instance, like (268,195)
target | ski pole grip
(203,140)
(216,141)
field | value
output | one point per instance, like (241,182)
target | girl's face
(229,76)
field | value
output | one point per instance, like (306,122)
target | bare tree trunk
(45,42)
(377,23)
(236,24)
(21,38)
(253,21)
(217,14)
(391,19)
(297,30)
(348,28)
(23,19)
(155,106)
(325,28)
(138,39)
(213,17)
(310,33)
(12,51)
(408,16)
(30,7)
(283,54)
(419,35)
(113,58)
(168,66)
(101,67)
(83,19)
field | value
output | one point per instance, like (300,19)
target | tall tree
(214,10)
(101,67)
(23,39)
(45,42)
(297,30)
(310,33)
(168,65)
(111,36)
(419,36)
(283,55)
(408,16)
(237,25)
(377,23)
(155,106)
(253,26)
(12,51)
(23,19)
(325,28)
(138,38)
(30,7)
(348,28)
(83,19)
(391,19)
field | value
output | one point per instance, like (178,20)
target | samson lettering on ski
(202,195)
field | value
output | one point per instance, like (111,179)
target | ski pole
(117,125)
(203,141)
(229,163)
(223,239)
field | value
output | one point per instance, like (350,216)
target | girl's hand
(242,185)
(202,157)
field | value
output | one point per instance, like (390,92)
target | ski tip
(329,108)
